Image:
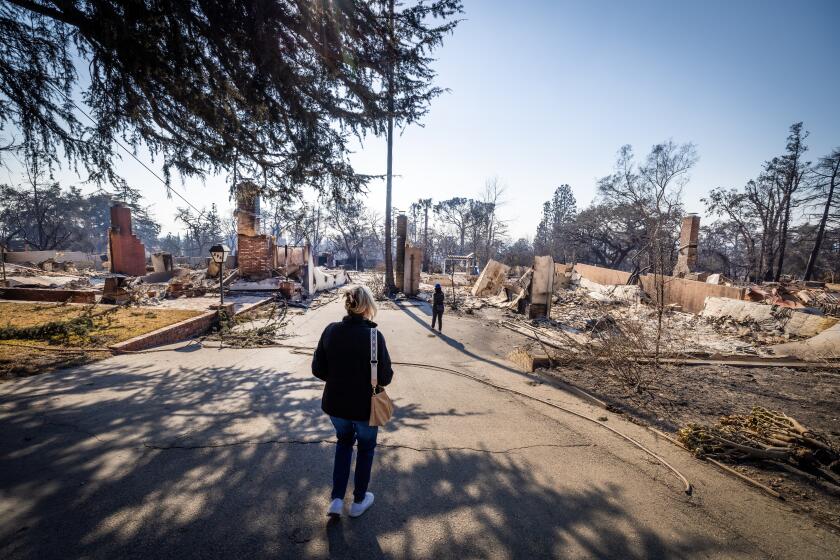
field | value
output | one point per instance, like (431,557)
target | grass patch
(35,338)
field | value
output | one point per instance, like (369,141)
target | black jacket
(438,300)
(342,359)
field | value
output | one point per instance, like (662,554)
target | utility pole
(390,285)
(427,203)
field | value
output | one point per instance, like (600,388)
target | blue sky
(545,92)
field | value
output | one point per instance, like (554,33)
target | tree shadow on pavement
(236,461)
(443,504)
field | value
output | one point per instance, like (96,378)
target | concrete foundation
(688,295)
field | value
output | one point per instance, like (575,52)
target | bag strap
(374,381)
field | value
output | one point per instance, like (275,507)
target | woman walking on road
(343,360)
(437,307)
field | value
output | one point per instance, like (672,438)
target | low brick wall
(177,332)
(46,294)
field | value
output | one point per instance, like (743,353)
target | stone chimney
(402,235)
(687,258)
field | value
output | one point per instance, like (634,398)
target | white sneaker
(358,509)
(336,506)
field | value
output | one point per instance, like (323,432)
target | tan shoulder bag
(381,407)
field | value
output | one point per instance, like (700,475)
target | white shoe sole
(359,514)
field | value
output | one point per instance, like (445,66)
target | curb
(175,332)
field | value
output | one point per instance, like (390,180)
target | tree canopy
(270,89)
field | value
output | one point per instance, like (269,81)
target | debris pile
(739,321)
(797,295)
(765,323)
(253,329)
(132,276)
(770,437)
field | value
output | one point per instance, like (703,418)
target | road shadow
(154,467)
(456,344)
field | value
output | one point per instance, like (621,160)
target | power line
(130,153)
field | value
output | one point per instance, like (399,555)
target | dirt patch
(702,394)
(36,338)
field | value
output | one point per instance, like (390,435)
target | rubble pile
(64,275)
(132,276)
(189,284)
(724,325)
(797,295)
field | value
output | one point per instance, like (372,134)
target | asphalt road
(206,453)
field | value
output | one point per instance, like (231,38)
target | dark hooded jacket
(438,300)
(342,359)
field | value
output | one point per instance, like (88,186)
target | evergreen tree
(555,232)
(826,182)
(269,89)
(409,36)
(541,239)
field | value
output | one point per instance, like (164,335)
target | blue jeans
(348,431)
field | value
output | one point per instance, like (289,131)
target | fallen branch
(770,437)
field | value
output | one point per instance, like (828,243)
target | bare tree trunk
(39,215)
(815,253)
(767,273)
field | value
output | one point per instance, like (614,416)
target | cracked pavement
(223,453)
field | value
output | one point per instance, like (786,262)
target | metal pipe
(221,282)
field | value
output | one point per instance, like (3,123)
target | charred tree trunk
(815,253)
(783,243)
